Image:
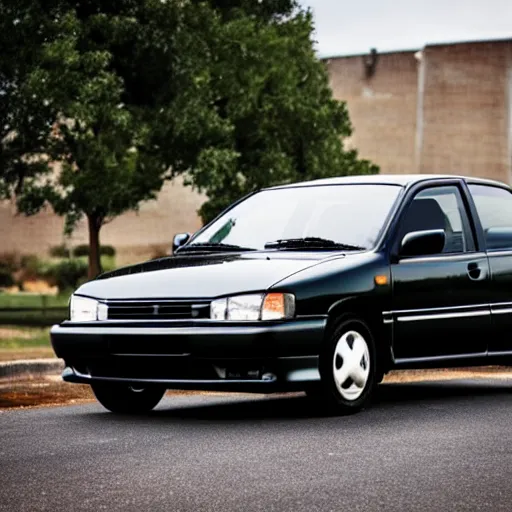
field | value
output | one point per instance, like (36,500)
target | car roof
(402,180)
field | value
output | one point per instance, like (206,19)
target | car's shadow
(405,396)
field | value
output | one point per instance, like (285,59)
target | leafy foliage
(11,261)
(98,140)
(67,274)
(278,122)
(60,251)
(6,278)
(123,95)
(83,250)
(64,251)
(25,117)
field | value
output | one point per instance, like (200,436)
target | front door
(440,302)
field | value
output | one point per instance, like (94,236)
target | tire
(125,399)
(348,368)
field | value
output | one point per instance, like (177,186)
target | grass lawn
(48,309)
(33,318)
(29,300)
(24,343)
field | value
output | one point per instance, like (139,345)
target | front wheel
(348,367)
(125,399)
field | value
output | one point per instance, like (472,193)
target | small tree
(124,95)
(99,144)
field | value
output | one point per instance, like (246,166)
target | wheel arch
(369,311)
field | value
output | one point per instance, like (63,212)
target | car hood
(203,276)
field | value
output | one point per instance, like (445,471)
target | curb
(9,369)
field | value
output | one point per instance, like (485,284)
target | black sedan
(322,287)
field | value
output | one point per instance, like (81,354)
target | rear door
(440,302)
(494,208)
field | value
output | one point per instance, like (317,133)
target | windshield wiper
(212,247)
(312,243)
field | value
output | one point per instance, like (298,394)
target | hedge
(60,251)
(42,317)
(83,250)
(63,251)
(6,278)
(67,274)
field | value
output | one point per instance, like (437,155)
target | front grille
(157,310)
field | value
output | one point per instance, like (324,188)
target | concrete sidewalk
(14,369)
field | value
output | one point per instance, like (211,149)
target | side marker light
(381,280)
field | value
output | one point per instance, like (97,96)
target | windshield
(349,215)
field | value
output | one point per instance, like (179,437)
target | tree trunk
(94,223)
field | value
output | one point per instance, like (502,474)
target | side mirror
(423,243)
(179,240)
(498,238)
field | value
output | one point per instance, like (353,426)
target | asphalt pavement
(423,446)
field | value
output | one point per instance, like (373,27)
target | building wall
(445,109)
(382,107)
(136,235)
(465,110)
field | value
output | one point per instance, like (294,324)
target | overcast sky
(345,27)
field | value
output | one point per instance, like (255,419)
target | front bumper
(195,355)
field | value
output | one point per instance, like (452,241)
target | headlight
(82,309)
(270,306)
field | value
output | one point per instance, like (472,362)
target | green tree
(270,93)
(97,132)
(25,119)
(123,95)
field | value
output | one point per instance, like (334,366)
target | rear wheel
(348,367)
(125,399)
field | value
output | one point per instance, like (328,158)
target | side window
(494,207)
(439,208)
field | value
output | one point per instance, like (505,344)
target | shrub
(6,278)
(31,267)
(107,250)
(10,261)
(30,261)
(67,274)
(60,251)
(108,263)
(83,250)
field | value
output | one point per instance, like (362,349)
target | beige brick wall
(447,112)
(136,235)
(382,108)
(466,110)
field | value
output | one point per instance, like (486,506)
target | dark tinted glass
(438,208)
(494,207)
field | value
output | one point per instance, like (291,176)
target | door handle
(475,272)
